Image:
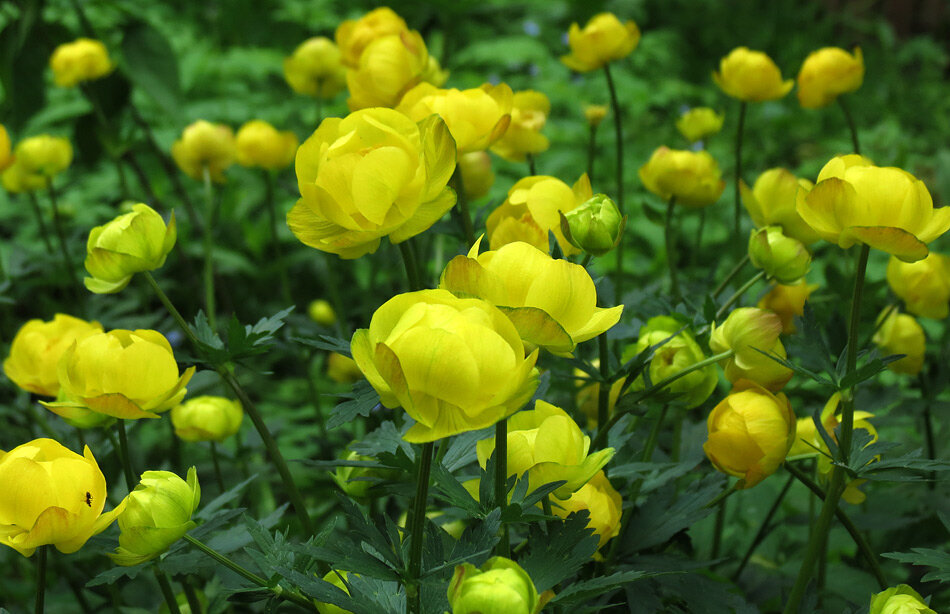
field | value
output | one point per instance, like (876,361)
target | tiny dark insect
(89,499)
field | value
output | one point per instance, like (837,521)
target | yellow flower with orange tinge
(601,500)
(260,144)
(315,68)
(353,36)
(899,333)
(692,177)
(885,208)
(828,73)
(924,286)
(603,40)
(748,332)
(82,60)
(529,112)
(6,152)
(787,301)
(698,123)
(772,201)
(751,76)
(389,67)
(205,146)
(37,347)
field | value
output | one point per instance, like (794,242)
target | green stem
(738,294)
(209,247)
(412,270)
(654,436)
(739,130)
(851,126)
(61,236)
(124,454)
(39,220)
(465,216)
(603,389)
(274,237)
(191,595)
(928,427)
(717,528)
(167,591)
(698,245)
(618,128)
(591,153)
(671,249)
(333,285)
(764,528)
(532,165)
(417,528)
(732,275)
(586,260)
(501,482)
(217,467)
(41,556)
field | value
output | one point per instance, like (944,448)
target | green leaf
(561,552)
(362,399)
(150,63)
(927,557)
(328,343)
(580,593)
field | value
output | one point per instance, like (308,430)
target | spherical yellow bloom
(315,68)
(924,286)
(354,35)
(131,243)
(343,369)
(17,179)
(389,67)
(82,60)
(501,586)
(787,301)
(588,397)
(260,144)
(553,303)
(453,364)
(204,145)
(477,175)
(207,418)
(6,153)
(37,348)
(529,112)
(751,76)
(157,514)
(828,73)
(900,333)
(476,118)
(883,207)
(750,433)
(596,226)
(692,177)
(321,312)
(547,444)
(122,373)
(698,123)
(901,599)
(602,40)
(783,258)
(372,174)
(772,201)
(746,331)
(531,211)
(602,501)
(51,495)
(595,113)
(44,155)
(676,354)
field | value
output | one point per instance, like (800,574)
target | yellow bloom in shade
(122,373)
(772,200)
(546,443)
(827,73)
(389,67)
(500,586)
(157,514)
(207,418)
(552,303)
(924,286)
(750,433)
(603,40)
(698,123)
(337,579)
(602,501)
(260,144)
(17,179)
(595,113)
(588,396)
(204,145)
(751,76)
(900,333)
(453,364)
(37,348)
(531,211)
(692,177)
(84,59)
(372,174)
(434,73)
(476,118)
(901,599)
(315,68)
(321,312)
(477,175)
(883,207)
(787,301)
(529,112)
(343,369)
(51,495)
(746,331)
(354,35)
(6,153)
(782,258)
(44,155)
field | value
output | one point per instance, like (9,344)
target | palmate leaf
(939,560)
(362,399)
(242,340)
(580,593)
(561,552)
(328,343)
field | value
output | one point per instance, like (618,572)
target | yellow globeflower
(260,144)
(315,68)
(343,369)
(602,501)
(37,348)
(595,113)
(477,175)
(122,373)
(532,210)
(131,243)
(900,333)
(771,202)
(44,155)
(207,418)
(692,177)
(354,35)
(787,301)
(783,258)
(6,153)
(500,586)
(389,67)
(588,396)
(883,207)
(553,303)
(924,286)
(746,331)
(453,364)
(51,495)
(17,179)
(529,112)
(828,73)
(901,599)
(603,40)
(698,123)
(372,174)
(750,433)
(321,312)
(204,145)
(546,443)
(751,76)
(476,117)
(82,60)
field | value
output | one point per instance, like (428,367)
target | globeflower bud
(157,514)
(787,301)
(602,40)
(204,146)
(924,286)
(900,599)
(899,333)
(748,332)
(595,113)
(529,113)
(750,433)
(131,243)
(827,73)
(692,177)
(781,257)
(260,144)
(356,481)
(501,586)
(207,418)
(751,76)
(315,69)
(354,35)
(44,155)
(477,175)
(82,60)
(390,66)
(321,312)
(772,201)
(699,122)
(37,348)
(343,369)
(595,227)
(601,500)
